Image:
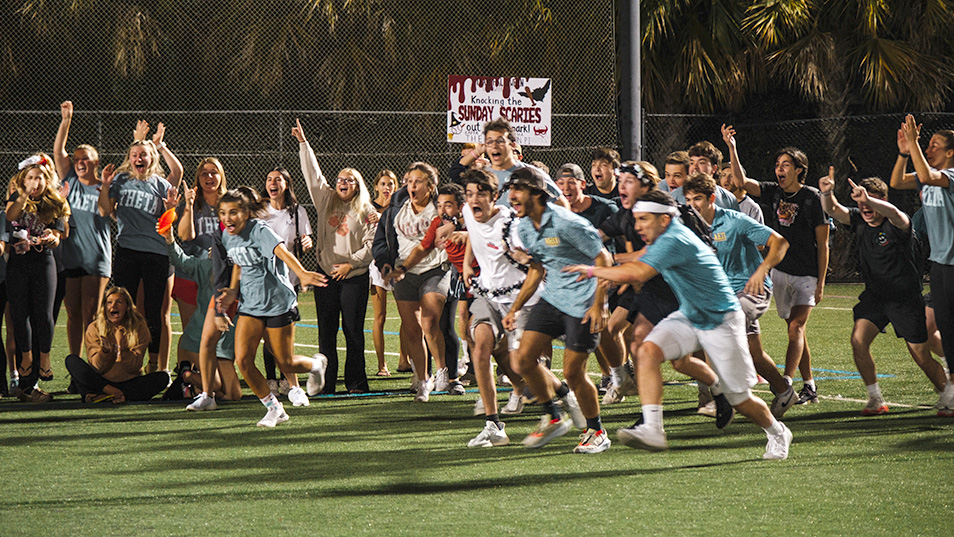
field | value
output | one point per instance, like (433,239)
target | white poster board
(475,100)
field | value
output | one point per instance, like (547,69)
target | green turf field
(385,465)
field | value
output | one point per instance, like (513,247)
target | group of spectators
(686,262)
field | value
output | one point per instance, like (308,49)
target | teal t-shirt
(695,275)
(264,290)
(88,245)
(736,238)
(938,206)
(139,204)
(199,269)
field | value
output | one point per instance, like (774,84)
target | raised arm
(61,159)
(900,179)
(826,186)
(925,174)
(739,179)
(894,215)
(106,204)
(187,218)
(175,167)
(318,187)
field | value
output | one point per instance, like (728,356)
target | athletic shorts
(791,291)
(754,306)
(907,316)
(413,287)
(653,308)
(277,321)
(185,290)
(484,311)
(726,346)
(546,319)
(78,272)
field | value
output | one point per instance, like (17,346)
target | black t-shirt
(599,210)
(621,227)
(29,226)
(592,190)
(795,217)
(887,258)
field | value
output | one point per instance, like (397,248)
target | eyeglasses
(498,141)
(347,181)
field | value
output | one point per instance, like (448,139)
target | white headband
(35,159)
(643,206)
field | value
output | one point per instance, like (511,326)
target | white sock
(949,388)
(203,394)
(618,373)
(269,401)
(716,388)
(874,391)
(776,428)
(653,415)
(810,383)
(788,379)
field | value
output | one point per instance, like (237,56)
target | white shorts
(376,278)
(791,291)
(726,345)
(484,311)
(754,306)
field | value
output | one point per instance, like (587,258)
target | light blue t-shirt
(264,290)
(736,238)
(563,239)
(724,198)
(693,272)
(938,206)
(199,269)
(138,208)
(88,245)
(502,175)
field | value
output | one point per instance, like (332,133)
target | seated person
(116,343)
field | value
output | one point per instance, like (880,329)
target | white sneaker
(441,384)
(514,405)
(503,380)
(547,430)
(573,408)
(592,441)
(627,386)
(272,386)
(284,387)
(456,388)
(202,402)
(298,397)
(777,447)
(491,436)
(643,436)
(875,407)
(463,362)
(415,385)
(613,396)
(783,402)
(945,404)
(275,415)
(316,379)
(708,409)
(424,391)
(479,407)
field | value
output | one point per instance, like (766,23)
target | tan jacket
(103,357)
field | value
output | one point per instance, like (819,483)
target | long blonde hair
(154,167)
(200,200)
(50,206)
(359,203)
(133,324)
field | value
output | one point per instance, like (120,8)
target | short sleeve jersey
(695,275)
(795,217)
(139,204)
(88,246)
(265,290)
(938,204)
(564,238)
(613,195)
(490,242)
(206,224)
(887,258)
(737,238)
(411,228)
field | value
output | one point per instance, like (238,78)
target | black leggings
(942,298)
(348,300)
(141,388)
(31,286)
(129,268)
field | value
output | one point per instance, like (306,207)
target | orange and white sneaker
(875,407)
(547,430)
(593,441)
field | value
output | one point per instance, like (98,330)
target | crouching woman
(116,343)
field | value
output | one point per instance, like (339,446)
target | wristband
(589,272)
(904,155)
(161,146)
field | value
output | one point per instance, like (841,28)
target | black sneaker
(807,395)
(724,411)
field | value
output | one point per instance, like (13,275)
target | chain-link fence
(858,147)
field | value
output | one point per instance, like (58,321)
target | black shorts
(546,319)
(277,321)
(906,316)
(653,308)
(75,273)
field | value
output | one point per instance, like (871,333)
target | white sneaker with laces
(275,415)
(424,391)
(945,404)
(613,395)
(783,402)
(202,402)
(316,378)
(479,407)
(514,405)
(491,436)
(592,441)
(547,430)
(573,408)
(297,397)
(708,409)
(441,384)
(777,447)
(643,436)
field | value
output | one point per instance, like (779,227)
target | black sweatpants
(346,300)
(141,388)
(132,266)
(942,298)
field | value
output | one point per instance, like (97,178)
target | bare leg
(797,342)
(379,303)
(574,370)
(764,365)
(862,335)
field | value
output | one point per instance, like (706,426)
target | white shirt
(411,228)
(283,224)
(489,248)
